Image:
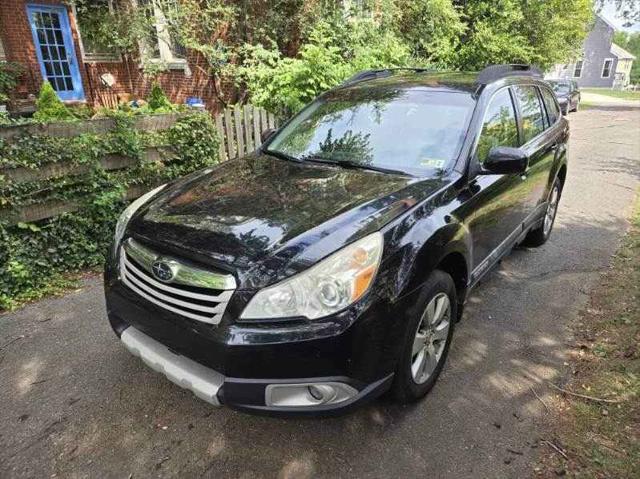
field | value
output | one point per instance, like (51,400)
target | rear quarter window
(551,105)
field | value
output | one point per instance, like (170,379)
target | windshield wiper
(354,165)
(282,156)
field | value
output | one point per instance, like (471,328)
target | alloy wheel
(430,338)
(552,208)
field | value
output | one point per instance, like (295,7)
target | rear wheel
(540,235)
(427,339)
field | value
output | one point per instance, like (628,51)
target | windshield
(404,130)
(560,87)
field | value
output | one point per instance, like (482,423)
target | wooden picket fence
(239,129)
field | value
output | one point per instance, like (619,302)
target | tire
(438,294)
(541,234)
(577,106)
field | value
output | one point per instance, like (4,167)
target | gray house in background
(603,64)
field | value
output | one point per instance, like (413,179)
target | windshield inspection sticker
(432,163)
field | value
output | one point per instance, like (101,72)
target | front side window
(577,71)
(404,130)
(499,127)
(550,104)
(531,110)
(606,68)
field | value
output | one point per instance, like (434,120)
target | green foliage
(631,43)
(541,32)
(157,99)
(242,43)
(48,105)
(444,34)
(10,73)
(110,31)
(431,28)
(283,85)
(35,257)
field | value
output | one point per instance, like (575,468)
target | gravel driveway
(74,403)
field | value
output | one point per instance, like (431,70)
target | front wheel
(427,339)
(540,235)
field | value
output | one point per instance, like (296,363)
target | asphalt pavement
(75,403)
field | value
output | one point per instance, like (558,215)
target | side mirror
(505,160)
(266,134)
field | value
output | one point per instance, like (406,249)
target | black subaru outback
(332,264)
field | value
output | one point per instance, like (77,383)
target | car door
(495,204)
(540,142)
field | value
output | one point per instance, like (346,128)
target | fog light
(307,394)
(322,393)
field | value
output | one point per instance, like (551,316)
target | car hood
(264,218)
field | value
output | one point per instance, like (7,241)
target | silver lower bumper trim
(200,380)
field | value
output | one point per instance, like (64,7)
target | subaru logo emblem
(162,270)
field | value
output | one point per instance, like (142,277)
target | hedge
(36,257)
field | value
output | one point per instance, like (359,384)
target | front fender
(421,242)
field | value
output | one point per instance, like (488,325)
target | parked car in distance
(332,264)
(568,94)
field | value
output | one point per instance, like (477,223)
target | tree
(431,28)
(631,43)
(541,32)
(285,54)
(629,10)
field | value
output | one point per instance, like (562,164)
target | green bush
(157,99)
(49,107)
(10,73)
(283,85)
(35,257)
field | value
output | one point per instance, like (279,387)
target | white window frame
(575,67)
(164,42)
(604,65)
(3,54)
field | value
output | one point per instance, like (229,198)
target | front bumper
(208,384)
(239,365)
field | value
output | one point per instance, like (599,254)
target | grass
(622,94)
(601,438)
(57,286)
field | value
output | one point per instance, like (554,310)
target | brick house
(44,37)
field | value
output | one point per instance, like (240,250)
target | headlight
(127,214)
(326,288)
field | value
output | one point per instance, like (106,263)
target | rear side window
(499,127)
(550,103)
(531,109)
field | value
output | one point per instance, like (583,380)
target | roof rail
(495,72)
(380,73)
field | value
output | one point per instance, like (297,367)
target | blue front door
(54,48)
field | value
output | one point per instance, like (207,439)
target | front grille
(189,294)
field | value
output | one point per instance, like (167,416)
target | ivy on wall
(36,257)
